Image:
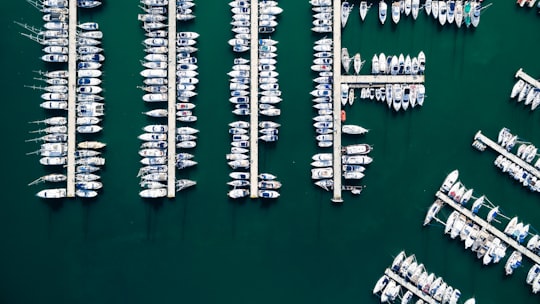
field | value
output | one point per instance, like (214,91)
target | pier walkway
(511,156)
(72,99)
(527,78)
(171,102)
(360,81)
(337,102)
(491,229)
(392,275)
(253,100)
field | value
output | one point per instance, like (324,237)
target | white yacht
(52,193)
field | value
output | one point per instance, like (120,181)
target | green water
(202,247)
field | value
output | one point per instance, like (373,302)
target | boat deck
(253,100)
(337,102)
(511,156)
(360,81)
(491,229)
(527,78)
(171,102)
(392,275)
(72,99)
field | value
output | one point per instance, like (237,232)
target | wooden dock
(360,81)
(253,102)
(337,102)
(72,99)
(394,276)
(491,229)
(171,102)
(511,156)
(527,78)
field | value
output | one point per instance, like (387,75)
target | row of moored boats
(154,150)
(527,92)
(89,106)
(480,239)
(268,94)
(525,151)
(406,277)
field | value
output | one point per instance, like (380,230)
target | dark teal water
(202,247)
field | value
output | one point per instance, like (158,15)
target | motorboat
(356,159)
(268,194)
(380,284)
(513,262)
(320,173)
(356,149)
(475,13)
(396,12)
(363,9)
(451,9)
(415,7)
(382,11)
(458,14)
(449,181)
(346,9)
(442,12)
(432,211)
(153,193)
(52,193)
(238,193)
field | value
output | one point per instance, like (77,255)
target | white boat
(381,284)
(517,88)
(346,9)
(268,194)
(382,11)
(396,12)
(238,193)
(320,173)
(89,185)
(353,175)
(435,9)
(89,26)
(415,7)
(356,159)
(344,93)
(363,9)
(475,13)
(375,64)
(356,149)
(513,262)
(451,10)
(443,12)
(153,193)
(458,14)
(432,211)
(449,181)
(52,193)
(533,273)
(357,63)
(188,144)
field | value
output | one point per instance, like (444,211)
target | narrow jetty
(361,81)
(392,275)
(527,78)
(171,102)
(72,99)
(337,102)
(511,156)
(491,229)
(253,100)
